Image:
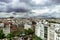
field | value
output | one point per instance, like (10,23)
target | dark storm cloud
(56,1)
(25,1)
(13,9)
(16,6)
(17,10)
(6,1)
(23,5)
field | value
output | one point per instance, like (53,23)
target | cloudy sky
(30,8)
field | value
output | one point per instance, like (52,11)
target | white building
(6,29)
(52,35)
(39,30)
(27,26)
(1,25)
(57,34)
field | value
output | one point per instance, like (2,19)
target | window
(45,32)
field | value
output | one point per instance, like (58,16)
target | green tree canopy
(18,33)
(9,36)
(1,34)
(37,38)
(29,31)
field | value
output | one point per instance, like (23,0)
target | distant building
(1,25)
(27,26)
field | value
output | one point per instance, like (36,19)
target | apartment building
(46,30)
(52,35)
(39,30)
(57,34)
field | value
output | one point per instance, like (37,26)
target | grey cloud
(48,3)
(24,5)
(6,1)
(16,7)
(17,10)
(56,1)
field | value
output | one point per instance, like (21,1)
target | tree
(9,36)
(33,23)
(30,31)
(25,31)
(1,34)
(37,38)
(18,33)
